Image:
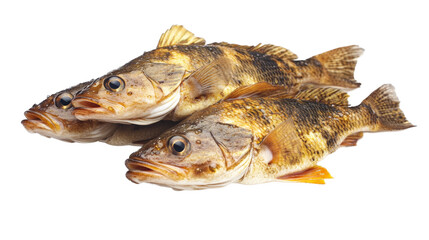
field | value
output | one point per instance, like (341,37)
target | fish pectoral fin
(329,96)
(167,76)
(351,140)
(209,79)
(178,35)
(284,145)
(261,89)
(268,49)
(316,174)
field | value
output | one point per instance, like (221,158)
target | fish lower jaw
(36,120)
(137,176)
(34,126)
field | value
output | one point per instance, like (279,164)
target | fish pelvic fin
(385,105)
(178,35)
(316,174)
(337,66)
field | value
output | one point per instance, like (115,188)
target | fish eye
(114,83)
(64,100)
(179,145)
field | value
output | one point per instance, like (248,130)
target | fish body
(184,75)
(53,118)
(255,140)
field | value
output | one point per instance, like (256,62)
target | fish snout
(143,170)
(85,102)
(84,107)
(39,120)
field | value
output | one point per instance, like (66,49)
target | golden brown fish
(183,75)
(53,118)
(262,139)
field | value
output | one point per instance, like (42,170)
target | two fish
(53,118)
(253,113)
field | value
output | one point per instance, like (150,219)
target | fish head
(190,156)
(134,94)
(53,118)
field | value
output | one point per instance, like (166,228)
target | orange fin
(316,174)
(261,89)
(178,35)
(209,79)
(268,49)
(168,76)
(351,140)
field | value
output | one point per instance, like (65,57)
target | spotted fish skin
(248,66)
(184,75)
(267,138)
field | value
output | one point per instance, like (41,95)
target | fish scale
(259,138)
(184,75)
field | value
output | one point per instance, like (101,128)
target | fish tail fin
(385,105)
(336,67)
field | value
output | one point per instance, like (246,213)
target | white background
(56,190)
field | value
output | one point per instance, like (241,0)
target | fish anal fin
(178,35)
(209,79)
(261,89)
(284,145)
(316,175)
(329,96)
(267,49)
(351,140)
(167,76)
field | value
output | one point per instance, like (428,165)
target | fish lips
(84,107)
(37,120)
(144,170)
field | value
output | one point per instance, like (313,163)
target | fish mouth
(84,106)
(143,170)
(39,120)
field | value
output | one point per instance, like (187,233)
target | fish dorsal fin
(261,89)
(167,76)
(268,49)
(209,79)
(178,35)
(329,96)
(283,145)
(316,174)
(351,140)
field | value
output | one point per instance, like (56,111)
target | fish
(252,140)
(53,118)
(184,75)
